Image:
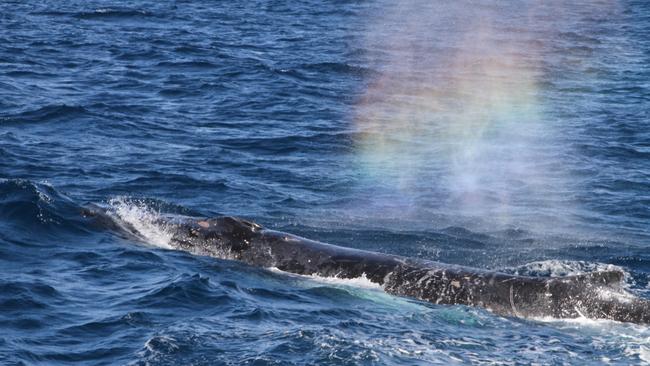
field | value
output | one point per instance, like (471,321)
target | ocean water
(512,136)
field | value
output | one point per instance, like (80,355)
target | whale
(595,295)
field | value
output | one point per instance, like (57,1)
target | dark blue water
(513,137)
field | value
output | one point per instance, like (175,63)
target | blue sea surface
(502,135)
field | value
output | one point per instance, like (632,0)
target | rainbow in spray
(455,121)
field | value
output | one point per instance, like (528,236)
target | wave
(195,64)
(309,72)
(317,143)
(152,179)
(339,68)
(114,13)
(48,113)
(30,207)
(20,296)
(183,292)
(27,205)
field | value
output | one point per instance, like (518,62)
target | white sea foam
(362,282)
(142,219)
(634,337)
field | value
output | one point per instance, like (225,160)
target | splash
(456,122)
(145,221)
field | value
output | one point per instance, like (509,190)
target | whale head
(225,237)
